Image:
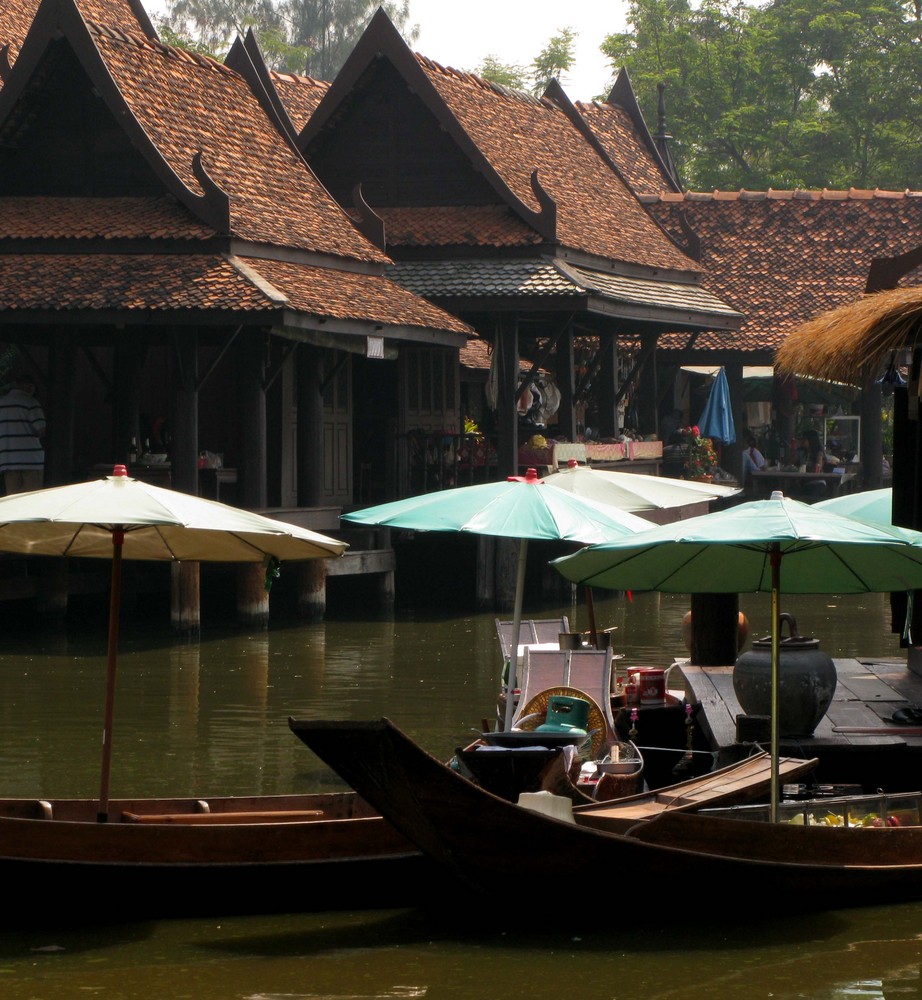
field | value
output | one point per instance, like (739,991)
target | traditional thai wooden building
(506,210)
(779,257)
(173,271)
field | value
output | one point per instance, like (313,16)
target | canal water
(210,717)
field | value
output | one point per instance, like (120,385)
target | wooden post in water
(312,589)
(714,629)
(185,598)
(252,596)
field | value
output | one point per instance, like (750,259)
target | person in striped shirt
(22,430)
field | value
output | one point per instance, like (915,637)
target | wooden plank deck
(868,692)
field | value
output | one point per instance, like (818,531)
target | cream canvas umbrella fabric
(118,518)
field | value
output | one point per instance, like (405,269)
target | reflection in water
(210,717)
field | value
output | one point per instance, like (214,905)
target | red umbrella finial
(531,476)
(120,470)
(572,463)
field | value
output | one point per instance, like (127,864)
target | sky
(462,35)
(515,31)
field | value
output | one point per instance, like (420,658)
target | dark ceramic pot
(808,680)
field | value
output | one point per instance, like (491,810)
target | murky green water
(211,717)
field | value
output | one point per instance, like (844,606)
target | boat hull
(168,857)
(486,841)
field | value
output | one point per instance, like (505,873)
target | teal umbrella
(768,545)
(873,506)
(716,419)
(522,507)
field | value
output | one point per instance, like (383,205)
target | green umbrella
(522,507)
(743,549)
(873,506)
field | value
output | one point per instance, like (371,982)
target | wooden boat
(222,855)
(657,864)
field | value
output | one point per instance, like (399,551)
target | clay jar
(807,680)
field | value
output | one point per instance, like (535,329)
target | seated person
(753,460)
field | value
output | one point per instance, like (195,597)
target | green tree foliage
(792,93)
(300,36)
(505,74)
(552,62)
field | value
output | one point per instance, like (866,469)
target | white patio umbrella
(634,491)
(118,518)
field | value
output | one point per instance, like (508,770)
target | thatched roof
(856,339)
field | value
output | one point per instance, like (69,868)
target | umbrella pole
(115,593)
(516,626)
(776,679)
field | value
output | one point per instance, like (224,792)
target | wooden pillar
(647,395)
(252,596)
(128,366)
(184,445)
(507,421)
(312,589)
(310,374)
(872,438)
(732,454)
(714,629)
(186,598)
(486,572)
(60,412)
(185,579)
(783,411)
(565,375)
(606,386)
(53,590)
(252,488)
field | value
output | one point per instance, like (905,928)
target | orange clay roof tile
(596,211)
(95,218)
(616,129)
(456,225)
(187,103)
(153,283)
(782,260)
(344,295)
(167,283)
(300,95)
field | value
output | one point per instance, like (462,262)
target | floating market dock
(857,741)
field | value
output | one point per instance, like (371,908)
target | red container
(651,684)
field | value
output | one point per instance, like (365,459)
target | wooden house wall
(396,148)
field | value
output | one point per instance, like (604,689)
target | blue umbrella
(717,418)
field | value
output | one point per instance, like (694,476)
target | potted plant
(701,458)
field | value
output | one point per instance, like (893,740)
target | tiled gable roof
(684,303)
(187,103)
(16,16)
(782,257)
(596,212)
(618,133)
(300,95)
(456,225)
(144,283)
(166,284)
(344,295)
(98,218)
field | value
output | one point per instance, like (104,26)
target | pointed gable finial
(662,137)
(214,204)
